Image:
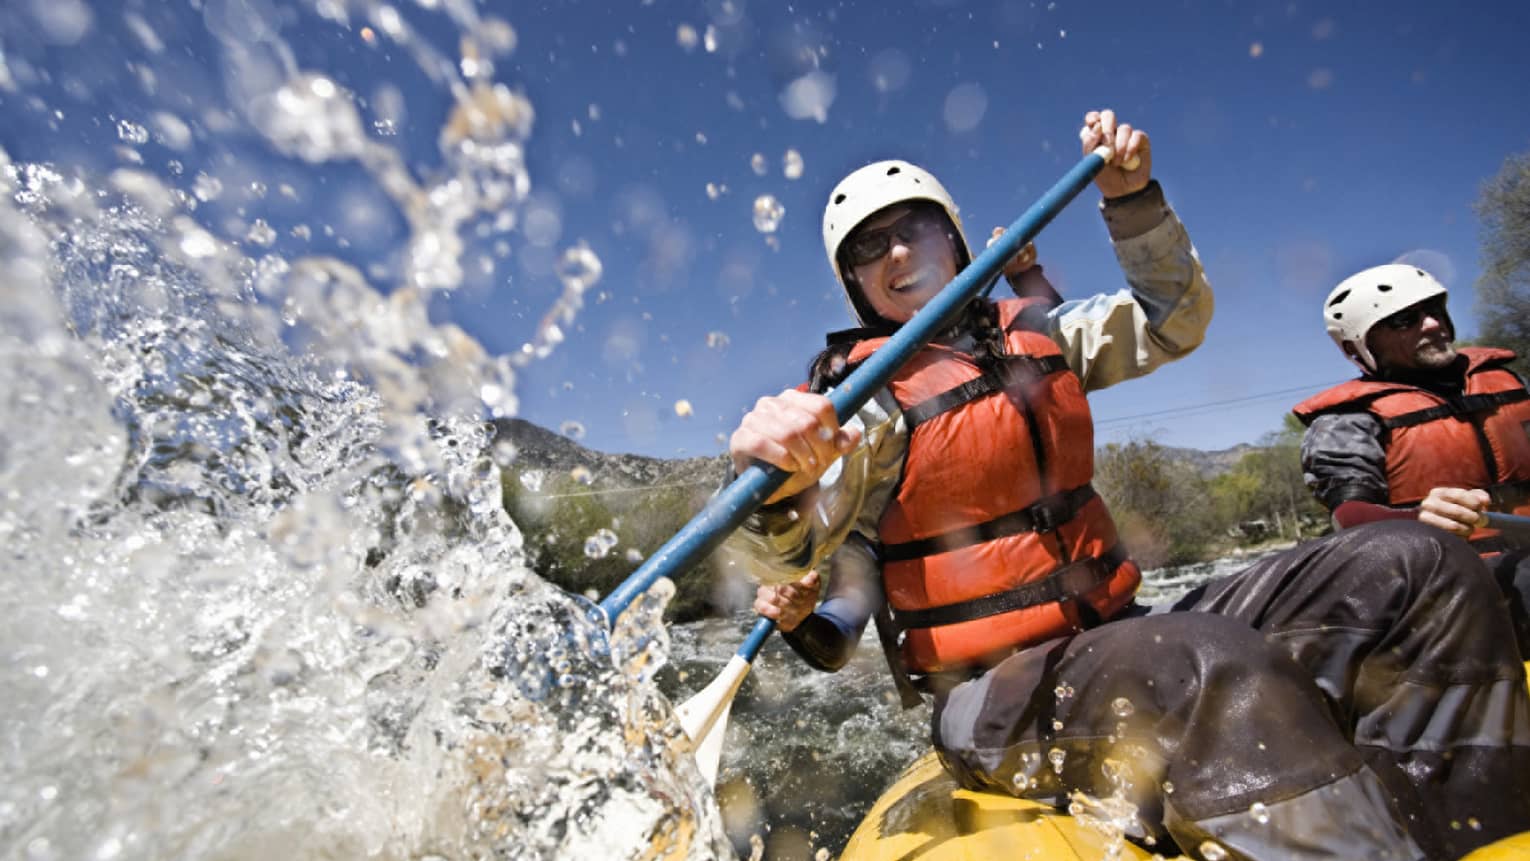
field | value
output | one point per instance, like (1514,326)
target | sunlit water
(261,597)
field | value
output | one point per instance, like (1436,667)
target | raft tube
(926,816)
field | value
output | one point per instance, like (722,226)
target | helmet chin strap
(1352,353)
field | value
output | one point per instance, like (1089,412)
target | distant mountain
(1210,464)
(589,517)
(539,448)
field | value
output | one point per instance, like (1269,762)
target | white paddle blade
(704,717)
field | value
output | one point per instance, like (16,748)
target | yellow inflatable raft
(926,817)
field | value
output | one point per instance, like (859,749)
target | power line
(642,489)
(1210,404)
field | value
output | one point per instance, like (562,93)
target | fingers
(796,431)
(1134,150)
(1023,260)
(1456,510)
(790,603)
(1027,256)
(1129,168)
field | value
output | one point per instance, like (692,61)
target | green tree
(563,522)
(1266,485)
(1160,504)
(1503,289)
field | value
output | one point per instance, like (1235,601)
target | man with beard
(1428,431)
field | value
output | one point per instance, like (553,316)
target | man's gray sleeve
(1343,459)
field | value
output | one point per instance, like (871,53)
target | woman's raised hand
(1131,163)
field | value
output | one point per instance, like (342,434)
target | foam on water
(263,599)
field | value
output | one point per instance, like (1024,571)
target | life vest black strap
(887,635)
(996,379)
(1496,544)
(1044,515)
(1065,584)
(1032,318)
(1463,406)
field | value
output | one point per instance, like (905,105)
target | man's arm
(1344,464)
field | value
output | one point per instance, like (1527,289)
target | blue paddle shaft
(756,639)
(734,503)
(1511,523)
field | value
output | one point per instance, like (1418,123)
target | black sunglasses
(868,246)
(1411,316)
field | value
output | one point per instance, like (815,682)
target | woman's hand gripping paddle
(705,715)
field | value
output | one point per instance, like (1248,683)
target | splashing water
(267,600)
(768,213)
(791,164)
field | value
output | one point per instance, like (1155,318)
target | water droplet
(710,39)
(1473,823)
(260,233)
(196,242)
(757,164)
(599,545)
(683,408)
(572,429)
(633,555)
(1168,788)
(718,340)
(791,165)
(582,475)
(1056,725)
(579,268)
(1212,851)
(965,106)
(1122,707)
(206,187)
(715,191)
(131,132)
(311,118)
(686,37)
(767,213)
(809,97)
(531,479)
(1056,756)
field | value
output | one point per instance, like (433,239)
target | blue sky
(1299,142)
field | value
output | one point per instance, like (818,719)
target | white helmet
(1364,299)
(869,190)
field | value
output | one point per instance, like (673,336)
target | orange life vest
(995,539)
(1480,440)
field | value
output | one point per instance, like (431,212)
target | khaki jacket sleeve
(1163,314)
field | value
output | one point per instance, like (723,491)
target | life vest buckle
(1078,579)
(1050,513)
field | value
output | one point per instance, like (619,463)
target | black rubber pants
(1355,697)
